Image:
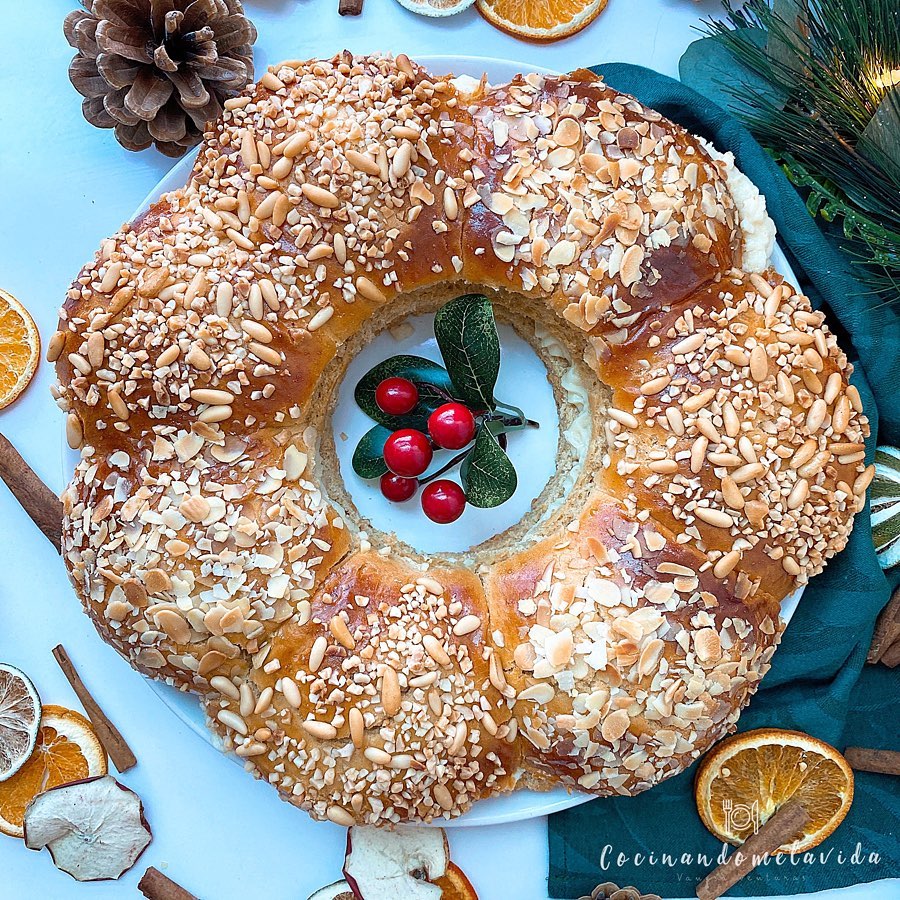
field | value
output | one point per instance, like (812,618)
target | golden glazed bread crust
(606,653)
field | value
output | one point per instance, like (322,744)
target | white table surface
(65,185)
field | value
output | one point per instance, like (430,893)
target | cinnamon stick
(864,759)
(891,656)
(156,886)
(350,7)
(887,630)
(784,826)
(44,507)
(115,745)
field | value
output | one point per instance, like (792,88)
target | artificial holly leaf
(488,477)
(368,458)
(467,336)
(429,377)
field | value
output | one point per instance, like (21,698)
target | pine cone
(610,891)
(159,70)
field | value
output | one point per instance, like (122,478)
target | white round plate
(509,807)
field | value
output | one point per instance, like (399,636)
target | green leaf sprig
(466,334)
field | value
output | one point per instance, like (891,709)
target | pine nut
(74,431)
(435,650)
(117,404)
(357,728)
(213,414)
(319,196)
(369,290)
(224,686)
(402,160)
(714,517)
(56,346)
(338,627)
(211,396)
(320,318)
(759,363)
(362,162)
(815,418)
(266,354)
(390,691)
(291,692)
(233,721)
(317,653)
(451,205)
(726,563)
(322,731)
(168,356)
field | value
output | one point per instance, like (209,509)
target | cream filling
(580,431)
(757,228)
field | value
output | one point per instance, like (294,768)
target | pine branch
(827,80)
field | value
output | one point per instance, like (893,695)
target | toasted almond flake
(615,725)
(630,268)
(541,693)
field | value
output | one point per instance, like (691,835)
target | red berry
(407,452)
(396,488)
(396,396)
(443,501)
(452,426)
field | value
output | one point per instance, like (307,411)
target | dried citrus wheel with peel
(454,885)
(67,750)
(20,718)
(743,780)
(541,20)
(20,348)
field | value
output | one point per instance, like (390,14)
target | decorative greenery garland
(832,116)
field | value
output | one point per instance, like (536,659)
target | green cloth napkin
(817,683)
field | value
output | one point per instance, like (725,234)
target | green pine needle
(827,78)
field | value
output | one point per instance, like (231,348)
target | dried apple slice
(396,864)
(94,829)
(340,890)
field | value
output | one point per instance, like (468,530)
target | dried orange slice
(454,885)
(67,750)
(20,348)
(541,20)
(744,779)
(20,718)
